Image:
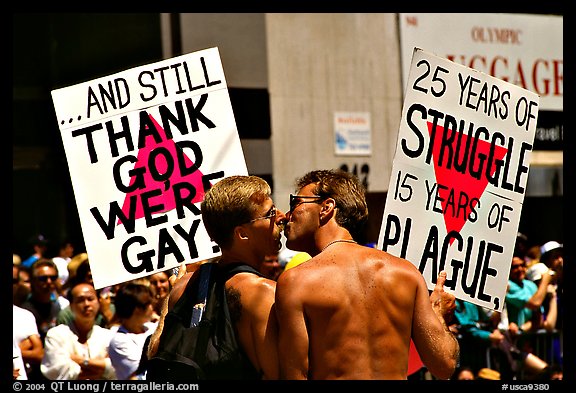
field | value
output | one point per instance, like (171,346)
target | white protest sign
(143,146)
(459,177)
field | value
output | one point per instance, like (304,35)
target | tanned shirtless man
(241,218)
(351,311)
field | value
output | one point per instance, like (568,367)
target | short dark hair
(129,296)
(42,262)
(350,196)
(74,284)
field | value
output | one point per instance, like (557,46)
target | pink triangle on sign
(166,199)
(461,188)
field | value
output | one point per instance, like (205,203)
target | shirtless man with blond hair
(240,216)
(351,311)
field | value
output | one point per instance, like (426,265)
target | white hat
(549,246)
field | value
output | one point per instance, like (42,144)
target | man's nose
(281,218)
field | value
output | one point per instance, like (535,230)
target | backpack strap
(191,305)
(198,310)
(228,271)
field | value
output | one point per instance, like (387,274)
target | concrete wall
(322,63)
(314,65)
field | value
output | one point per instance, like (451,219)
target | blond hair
(232,201)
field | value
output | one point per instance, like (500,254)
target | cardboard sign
(459,176)
(143,146)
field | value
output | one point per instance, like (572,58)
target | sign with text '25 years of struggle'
(459,177)
(143,146)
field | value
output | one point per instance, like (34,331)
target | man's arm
(293,339)
(537,299)
(263,327)
(155,337)
(178,287)
(550,322)
(436,344)
(32,349)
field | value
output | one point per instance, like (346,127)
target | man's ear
(240,232)
(328,207)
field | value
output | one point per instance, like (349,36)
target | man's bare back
(359,313)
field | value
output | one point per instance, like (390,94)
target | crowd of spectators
(66,329)
(524,340)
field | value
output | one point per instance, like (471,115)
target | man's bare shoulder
(371,261)
(392,264)
(251,283)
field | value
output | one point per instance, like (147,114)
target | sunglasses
(45,278)
(297,200)
(270,214)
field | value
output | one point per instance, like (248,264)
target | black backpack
(200,342)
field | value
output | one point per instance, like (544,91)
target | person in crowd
(532,256)
(551,261)
(271,267)
(522,244)
(523,295)
(21,286)
(65,253)
(25,335)
(240,216)
(545,317)
(79,349)
(39,244)
(464,374)
(43,299)
(160,283)
(351,311)
(83,273)
(524,299)
(549,317)
(134,310)
(552,255)
(74,263)
(18,370)
(479,331)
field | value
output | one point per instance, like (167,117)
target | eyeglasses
(518,266)
(271,214)
(45,278)
(297,200)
